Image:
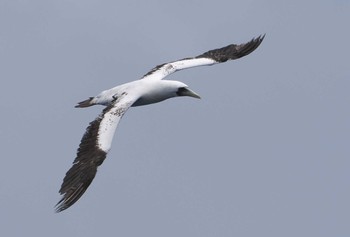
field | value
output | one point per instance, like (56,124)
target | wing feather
(211,57)
(91,153)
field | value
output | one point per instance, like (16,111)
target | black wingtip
(76,182)
(60,206)
(70,198)
(260,38)
(233,51)
(247,48)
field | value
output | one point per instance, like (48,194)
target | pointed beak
(185,91)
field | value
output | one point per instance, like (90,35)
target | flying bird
(97,140)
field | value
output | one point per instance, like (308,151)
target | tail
(85,103)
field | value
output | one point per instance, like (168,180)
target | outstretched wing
(211,57)
(92,151)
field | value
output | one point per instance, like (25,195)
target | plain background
(265,152)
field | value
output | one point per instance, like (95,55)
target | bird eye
(180,91)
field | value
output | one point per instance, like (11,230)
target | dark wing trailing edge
(80,175)
(233,51)
(92,151)
(230,52)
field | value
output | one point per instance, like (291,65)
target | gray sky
(264,153)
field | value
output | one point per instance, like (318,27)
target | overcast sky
(265,152)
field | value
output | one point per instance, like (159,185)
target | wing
(92,151)
(211,57)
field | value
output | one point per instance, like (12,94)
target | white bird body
(136,93)
(143,91)
(150,89)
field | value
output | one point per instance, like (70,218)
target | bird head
(183,90)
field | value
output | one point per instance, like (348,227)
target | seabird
(150,89)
